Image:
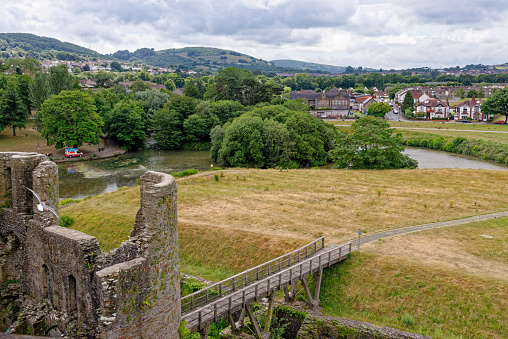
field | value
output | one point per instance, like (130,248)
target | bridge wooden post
(319,276)
(269,313)
(257,331)
(204,332)
(313,301)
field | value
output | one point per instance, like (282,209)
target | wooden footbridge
(237,293)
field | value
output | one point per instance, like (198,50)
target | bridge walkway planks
(212,311)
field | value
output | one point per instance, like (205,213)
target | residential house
(433,108)
(334,99)
(470,109)
(363,103)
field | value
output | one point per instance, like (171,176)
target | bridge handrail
(243,294)
(231,284)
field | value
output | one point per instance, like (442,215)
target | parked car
(465,121)
(72,152)
(500,122)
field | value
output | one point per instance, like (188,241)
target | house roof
(363,98)
(433,103)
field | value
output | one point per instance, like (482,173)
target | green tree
(12,110)
(379,109)
(170,85)
(103,79)
(191,90)
(461,93)
(115,66)
(392,92)
(197,126)
(497,104)
(471,93)
(126,125)
(369,145)
(226,110)
(167,126)
(139,86)
(273,136)
(39,90)
(153,100)
(60,79)
(70,119)
(408,104)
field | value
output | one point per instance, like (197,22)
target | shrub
(186,172)
(66,220)
(407,319)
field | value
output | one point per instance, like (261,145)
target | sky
(369,33)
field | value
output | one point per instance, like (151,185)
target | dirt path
(411,229)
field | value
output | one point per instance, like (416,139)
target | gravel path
(411,229)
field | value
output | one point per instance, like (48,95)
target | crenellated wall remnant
(130,292)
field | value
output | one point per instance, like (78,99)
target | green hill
(303,66)
(194,58)
(206,58)
(37,47)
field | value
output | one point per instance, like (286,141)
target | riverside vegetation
(447,283)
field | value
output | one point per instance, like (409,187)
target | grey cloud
(228,18)
(456,12)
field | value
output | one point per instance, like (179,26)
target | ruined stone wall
(130,292)
(60,264)
(140,298)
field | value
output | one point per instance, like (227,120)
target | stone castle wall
(130,292)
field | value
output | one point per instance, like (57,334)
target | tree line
(242,118)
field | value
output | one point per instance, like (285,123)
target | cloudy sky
(369,33)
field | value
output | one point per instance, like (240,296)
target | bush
(66,220)
(186,172)
(407,319)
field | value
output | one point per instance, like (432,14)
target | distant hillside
(301,65)
(37,47)
(206,58)
(195,58)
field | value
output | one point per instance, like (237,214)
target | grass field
(451,282)
(30,140)
(446,283)
(488,132)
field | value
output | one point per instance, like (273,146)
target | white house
(470,109)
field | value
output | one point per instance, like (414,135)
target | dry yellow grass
(244,208)
(465,248)
(305,204)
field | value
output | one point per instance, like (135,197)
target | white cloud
(372,33)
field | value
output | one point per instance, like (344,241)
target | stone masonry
(130,292)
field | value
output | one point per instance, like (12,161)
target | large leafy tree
(369,145)
(497,104)
(12,110)
(39,90)
(273,136)
(70,119)
(126,124)
(60,79)
(379,109)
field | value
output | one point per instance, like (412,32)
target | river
(84,178)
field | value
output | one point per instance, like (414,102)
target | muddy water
(82,179)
